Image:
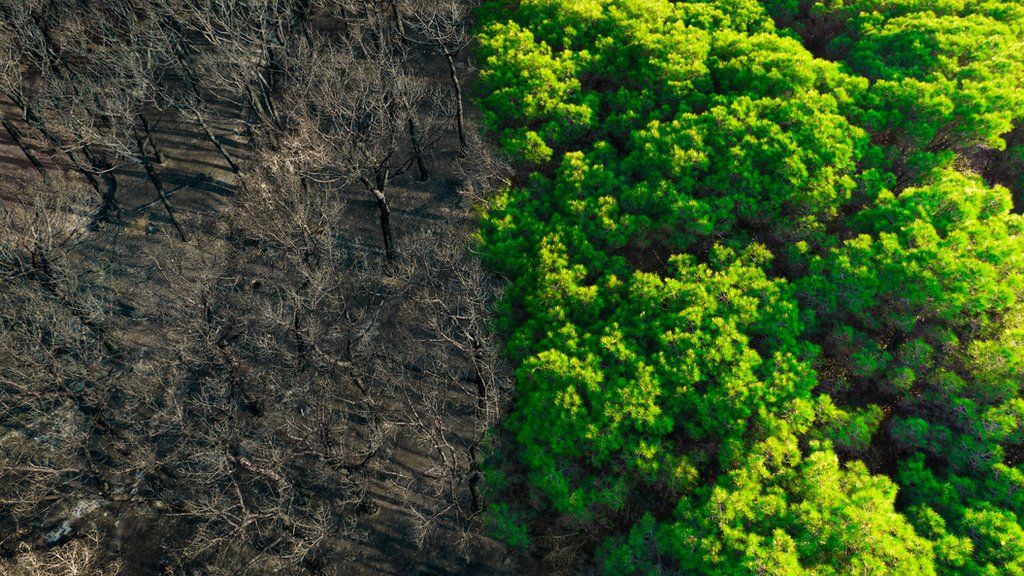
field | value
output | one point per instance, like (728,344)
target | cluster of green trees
(766,315)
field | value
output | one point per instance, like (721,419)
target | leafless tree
(348,125)
(445,23)
(27,59)
(82,556)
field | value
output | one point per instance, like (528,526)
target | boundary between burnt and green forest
(764,300)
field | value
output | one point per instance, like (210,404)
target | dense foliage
(768,319)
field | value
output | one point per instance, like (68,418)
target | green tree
(728,255)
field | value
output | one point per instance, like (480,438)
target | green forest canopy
(766,318)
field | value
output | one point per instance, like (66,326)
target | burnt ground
(124,264)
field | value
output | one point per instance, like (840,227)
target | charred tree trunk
(476,505)
(460,112)
(417,151)
(269,77)
(385,223)
(300,19)
(109,192)
(345,24)
(157,157)
(399,24)
(385,214)
(261,108)
(216,143)
(478,375)
(16,137)
(196,109)
(154,178)
(38,123)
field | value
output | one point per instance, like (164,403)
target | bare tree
(445,23)
(19,140)
(351,125)
(37,63)
(83,556)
